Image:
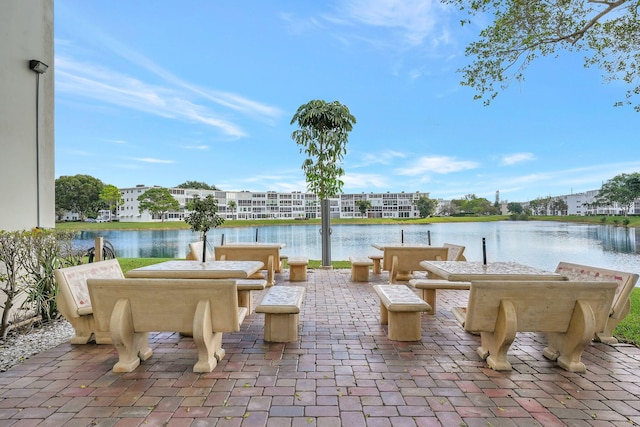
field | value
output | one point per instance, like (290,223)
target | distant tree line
(86,196)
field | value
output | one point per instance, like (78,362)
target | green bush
(29,258)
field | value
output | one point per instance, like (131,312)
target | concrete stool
(298,269)
(400,308)
(281,307)
(360,269)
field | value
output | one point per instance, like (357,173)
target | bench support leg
(359,273)
(606,335)
(245,300)
(376,266)
(298,273)
(494,345)
(208,343)
(395,274)
(429,296)
(132,346)
(568,346)
(404,326)
(85,330)
(281,327)
(271,280)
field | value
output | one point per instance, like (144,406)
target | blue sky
(162,92)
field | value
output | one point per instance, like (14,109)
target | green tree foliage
(426,206)
(605,32)
(158,201)
(559,207)
(540,206)
(622,189)
(322,135)
(471,204)
(198,185)
(515,208)
(111,196)
(363,206)
(79,194)
(203,217)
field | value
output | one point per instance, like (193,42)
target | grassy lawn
(627,331)
(634,221)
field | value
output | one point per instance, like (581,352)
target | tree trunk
(204,247)
(325,212)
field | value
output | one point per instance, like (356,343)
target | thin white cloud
(384,157)
(202,147)
(363,180)
(230,100)
(437,165)
(415,19)
(512,159)
(89,81)
(153,160)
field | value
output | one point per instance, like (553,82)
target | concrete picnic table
(467,271)
(180,269)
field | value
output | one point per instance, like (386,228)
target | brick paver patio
(342,372)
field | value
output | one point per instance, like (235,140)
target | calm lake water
(537,243)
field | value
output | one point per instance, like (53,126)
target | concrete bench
(270,256)
(245,288)
(131,308)
(429,287)
(400,261)
(377,259)
(360,269)
(73,299)
(400,308)
(568,312)
(195,252)
(456,252)
(621,302)
(281,307)
(298,269)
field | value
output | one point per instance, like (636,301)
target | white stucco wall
(26,32)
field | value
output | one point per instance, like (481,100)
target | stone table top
(466,271)
(198,270)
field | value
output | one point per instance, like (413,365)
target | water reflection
(537,243)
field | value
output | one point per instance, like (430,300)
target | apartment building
(245,205)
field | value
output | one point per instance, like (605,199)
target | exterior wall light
(38,66)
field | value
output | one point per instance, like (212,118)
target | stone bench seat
(400,308)
(429,287)
(281,307)
(131,308)
(360,268)
(298,269)
(569,313)
(73,300)
(621,303)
